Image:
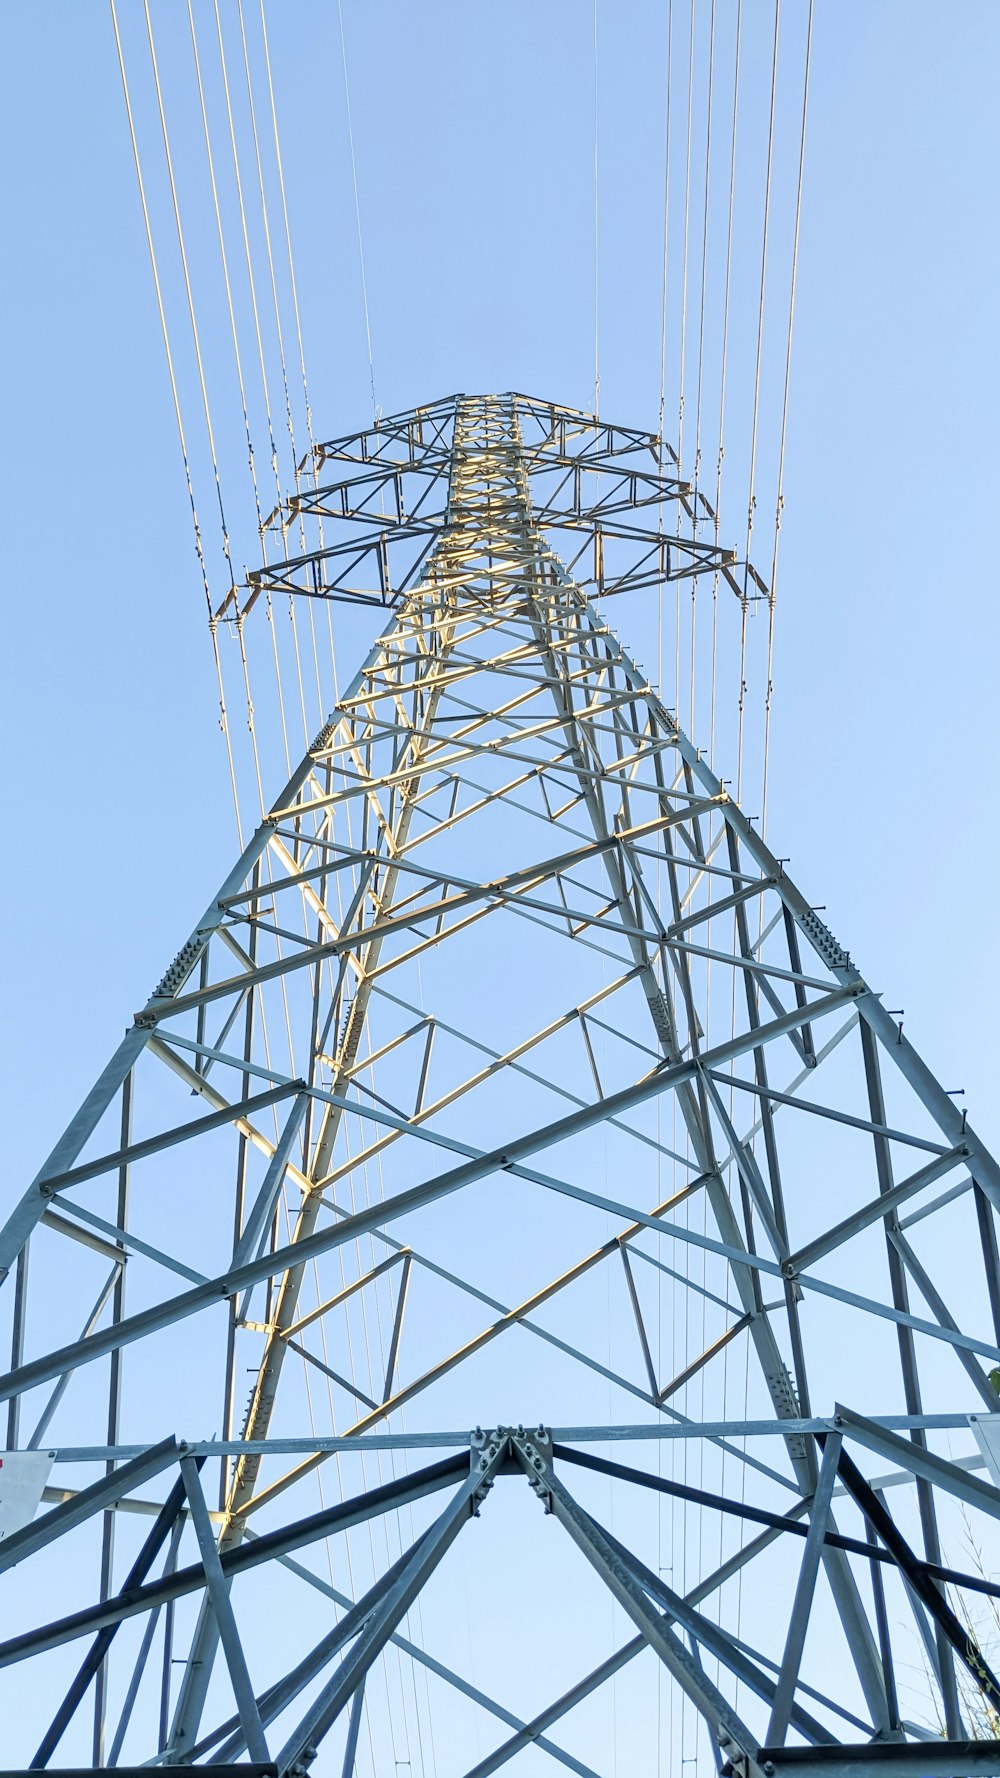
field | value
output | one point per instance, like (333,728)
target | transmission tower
(510,1142)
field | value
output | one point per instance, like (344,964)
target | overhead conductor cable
(357,207)
(751,497)
(784,422)
(199,547)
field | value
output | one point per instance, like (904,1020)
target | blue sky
(474,144)
(474,141)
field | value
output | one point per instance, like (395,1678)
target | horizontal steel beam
(885,1759)
(231,1283)
(756,1515)
(90,1500)
(243,1770)
(458,1438)
(920,1461)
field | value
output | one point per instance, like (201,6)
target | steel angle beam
(910,1455)
(393,1606)
(401,851)
(621,1582)
(267,1547)
(165,1524)
(874,1759)
(245,1769)
(102,1494)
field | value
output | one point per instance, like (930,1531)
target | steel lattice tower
(507,1081)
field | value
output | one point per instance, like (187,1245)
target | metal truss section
(603,493)
(507,1070)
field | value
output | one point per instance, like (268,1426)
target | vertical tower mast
(539,1088)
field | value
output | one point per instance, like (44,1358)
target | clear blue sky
(474,140)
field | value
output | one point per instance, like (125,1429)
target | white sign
(987,1430)
(23,1475)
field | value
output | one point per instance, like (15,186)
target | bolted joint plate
(510,1450)
(788,1405)
(487,1448)
(178,971)
(823,941)
(534,1452)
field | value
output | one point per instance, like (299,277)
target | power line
(597,227)
(682,354)
(772,594)
(195,335)
(763,284)
(175,395)
(267,236)
(663,313)
(225,262)
(357,207)
(704,247)
(246,249)
(696,497)
(265,390)
(160,306)
(725,351)
(265,219)
(288,232)
(205,400)
(666,223)
(751,493)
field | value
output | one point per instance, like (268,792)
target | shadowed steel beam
(957,1633)
(229,1635)
(423,1560)
(265,1548)
(926,1759)
(919,1461)
(791,1660)
(496,698)
(139,1666)
(277,1697)
(702,1632)
(759,1515)
(353,1730)
(90,1500)
(93,1660)
(472,1692)
(619,1579)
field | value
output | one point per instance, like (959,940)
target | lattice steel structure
(507,1081)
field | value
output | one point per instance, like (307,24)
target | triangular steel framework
(544,1091)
